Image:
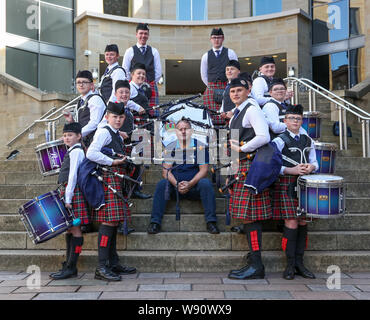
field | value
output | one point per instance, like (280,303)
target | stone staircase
(185,246)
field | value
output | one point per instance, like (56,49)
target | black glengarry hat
(276,81)
(138,65)
(84,74)
(72,127)
(246,76)
(233,63)
(111,47)
(295,109)
(267,60)
(121,84)
(117,108)
(142,26)
(239,82)
(217,32)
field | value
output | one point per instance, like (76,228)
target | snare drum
(325,155)
(50,156)
(321,196)
(46,217)
(312,124)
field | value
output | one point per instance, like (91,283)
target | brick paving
(178,285)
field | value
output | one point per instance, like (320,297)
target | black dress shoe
(288,273)
(154,228)
(119,269)
(302,271)
(121,229)
(64,266)
(212,228)
(64,274)
(104,273)
(239,270)
(139,195)
(249,273)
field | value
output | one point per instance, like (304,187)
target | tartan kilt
(80,206)
(284,207)
(113,210)
(154,99)
(210,103)
(245,205)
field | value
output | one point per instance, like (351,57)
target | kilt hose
(245,205)
(113,210)
(284,207)
(80,207)
(211,104)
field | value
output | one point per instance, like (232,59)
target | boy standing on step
(73,198)
(285,202)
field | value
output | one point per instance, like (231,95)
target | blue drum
(321,196)
(312,124)
(45,217)
(325,155)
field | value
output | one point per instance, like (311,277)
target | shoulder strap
(92,95)
(115,68)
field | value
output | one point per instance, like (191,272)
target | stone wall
(252,36)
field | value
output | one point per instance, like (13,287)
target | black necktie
(217,53)
(296,138)
(142,50)
(236,112)
(106,71)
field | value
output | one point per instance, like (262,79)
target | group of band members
(255,108)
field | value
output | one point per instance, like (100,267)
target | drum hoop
(53,230)
(326,216)
(321,185)
(312,180)
(27,224)
(312,114)
(51,173)
(326,146)
(49,144)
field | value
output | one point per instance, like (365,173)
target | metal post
(364,153)
(345,129)
(296,93)
(340,128)
(310,100)
(367,139)
(314,100)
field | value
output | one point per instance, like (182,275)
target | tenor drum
(312,124)
(45,217)
(50,156)
(325,155)
(321,196)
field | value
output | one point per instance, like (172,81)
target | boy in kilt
(244,205)
(285,202)
(73,199)
(212,71)
(115,209)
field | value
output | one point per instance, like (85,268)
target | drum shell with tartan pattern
(245,205)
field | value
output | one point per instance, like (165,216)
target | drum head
(321,179)
(49,145)
(326,146)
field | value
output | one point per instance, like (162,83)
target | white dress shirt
(76,156)
(259,89)
(117,74)
(254,118)
(311,157)
(102,138)
(129,54)
(204,63)
(97,110)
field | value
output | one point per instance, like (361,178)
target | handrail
(44,118)
(364,118)
(336,96)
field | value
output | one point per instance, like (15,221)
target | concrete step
(189,261)
(196,223)
(197,241)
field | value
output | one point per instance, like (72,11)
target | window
(22,65)
(260,7)
(191,10)
(117,7)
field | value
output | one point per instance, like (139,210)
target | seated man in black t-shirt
(188,176)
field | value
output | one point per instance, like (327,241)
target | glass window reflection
(260,7)
(191,10)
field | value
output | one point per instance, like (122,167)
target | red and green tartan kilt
(284,207)
(210,103)
(154,99)
(80,206)
(245,205)
(113,210)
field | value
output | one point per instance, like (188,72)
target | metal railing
(343,106)
(50,117)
